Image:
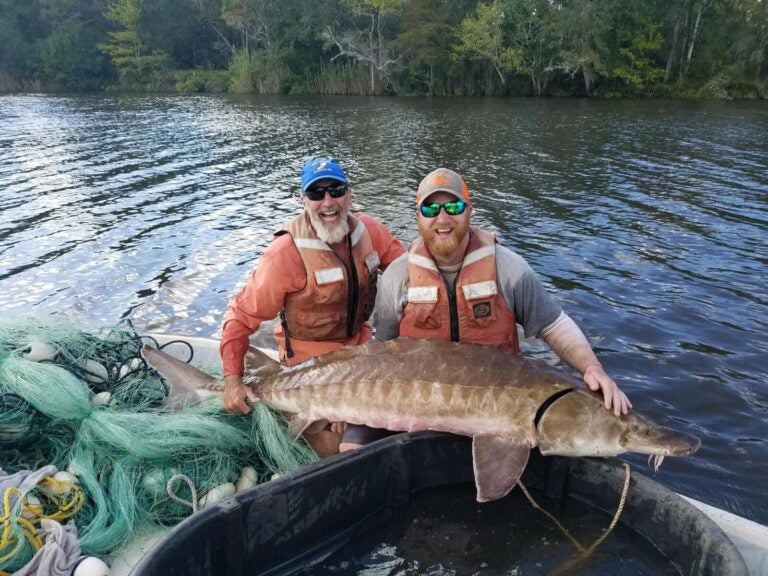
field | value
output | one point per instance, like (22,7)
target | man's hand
(596,378)
(237,395)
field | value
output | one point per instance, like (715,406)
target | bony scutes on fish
(409,385)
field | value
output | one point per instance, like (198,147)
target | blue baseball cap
(321,169)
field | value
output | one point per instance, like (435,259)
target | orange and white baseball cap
(442,180)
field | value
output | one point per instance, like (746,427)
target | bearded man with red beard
(457,283)
(318,276)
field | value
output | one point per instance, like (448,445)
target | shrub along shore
(605,48)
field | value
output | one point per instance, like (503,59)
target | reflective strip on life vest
(372,261)
(479,254)
(422,261)
(311,243)
(478,290)
(357,233)
(329,276)
(422,295)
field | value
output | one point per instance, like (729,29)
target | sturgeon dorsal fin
(499,462)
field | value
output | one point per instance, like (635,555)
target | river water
(647,219)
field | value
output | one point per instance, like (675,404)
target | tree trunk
(695,31)
(380,37)
(535,84)
(489,81)
(761,53)
(373,78)
(671,55)
(588,71)
(371,55)
(500,74)
(431,79)
(684,43)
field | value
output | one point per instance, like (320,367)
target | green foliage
(21,26)
(637,67)
(426,37)
(347,77)
(700,48)
(367,35)
(261,72)
(211,81)
(240,73)
(71,60)
(131,57)
(482,37)
(580,30)
(714,89)
(427,33)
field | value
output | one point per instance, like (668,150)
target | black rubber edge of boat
(280,527)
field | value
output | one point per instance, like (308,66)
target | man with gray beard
(457,283)
(318,275)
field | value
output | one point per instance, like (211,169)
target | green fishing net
(85,401)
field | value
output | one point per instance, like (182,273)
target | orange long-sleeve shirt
(280,272)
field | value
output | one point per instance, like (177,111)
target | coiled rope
(172,494)
(15,526)
(584,553)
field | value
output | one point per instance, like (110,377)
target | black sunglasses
(316,193)
(452,208)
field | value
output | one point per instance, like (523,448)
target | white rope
(172,494)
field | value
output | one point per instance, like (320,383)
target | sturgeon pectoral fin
(499,462)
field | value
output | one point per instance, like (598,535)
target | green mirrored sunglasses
(452,208)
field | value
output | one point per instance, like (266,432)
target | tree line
(608,48)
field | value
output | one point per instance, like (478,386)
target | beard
(330,233)
(443,247)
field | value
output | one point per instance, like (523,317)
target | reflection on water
(445,532)
(648,219)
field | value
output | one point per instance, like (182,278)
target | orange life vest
(336,301)
(474,312)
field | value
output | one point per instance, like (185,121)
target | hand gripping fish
(505,403)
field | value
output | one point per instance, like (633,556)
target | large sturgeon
(506,404)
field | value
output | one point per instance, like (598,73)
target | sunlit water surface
(648,220)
